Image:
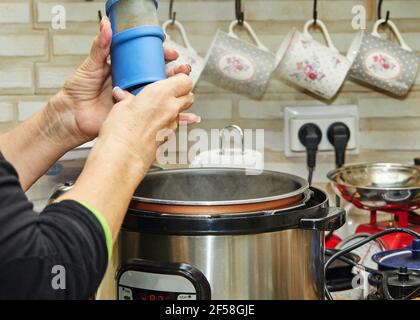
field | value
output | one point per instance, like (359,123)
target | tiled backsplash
(35,60)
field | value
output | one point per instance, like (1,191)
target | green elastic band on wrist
(104,224)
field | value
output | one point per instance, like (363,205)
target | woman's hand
(127,144)
(140,121)
(86,98)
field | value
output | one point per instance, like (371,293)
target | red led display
(154,297)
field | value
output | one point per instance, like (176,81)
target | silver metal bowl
(378,186)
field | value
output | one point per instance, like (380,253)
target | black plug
(310,136)
(339,135)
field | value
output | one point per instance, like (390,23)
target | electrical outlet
(323,117)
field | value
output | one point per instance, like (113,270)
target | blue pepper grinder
(137,54)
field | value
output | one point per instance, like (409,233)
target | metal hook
(380,12)
(172,14)
(100,15)
(315,11)
(240,16)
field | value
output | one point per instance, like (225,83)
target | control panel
(149,280)
(137,285)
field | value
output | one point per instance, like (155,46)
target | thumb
(101,46)
(120,94)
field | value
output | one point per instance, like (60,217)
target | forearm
(109,179)
(64,234)
(36,144)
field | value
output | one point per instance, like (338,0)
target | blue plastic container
(137,54)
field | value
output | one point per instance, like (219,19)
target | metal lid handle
(222,136)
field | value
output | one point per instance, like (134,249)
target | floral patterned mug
(238,65)
(308,64)
(383,64)
(187,54)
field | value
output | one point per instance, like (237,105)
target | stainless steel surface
(217,187)
(283,263)
(223,137)
(134,13)
(280,265)
(378,186)
(333,220)
(65,180)
(208,212)
(61,190)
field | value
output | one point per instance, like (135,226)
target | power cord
(352,263)
(310,136)
(339,135)
(361,243)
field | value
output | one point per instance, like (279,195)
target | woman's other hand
(138,121)
(85,100)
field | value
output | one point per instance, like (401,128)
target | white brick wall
(75,11)
(29,108)
(404,9)
(7,112)
(23,45)
(72,44)
(390,140)
(299,10)
(15,12)
(51,76)
(383,107)
(413,40)
(273,140)
(16,79)
(260,109)
(213,108)
(199,10)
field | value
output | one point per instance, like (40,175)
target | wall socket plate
(323,117)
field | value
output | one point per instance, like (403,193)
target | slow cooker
(221,233)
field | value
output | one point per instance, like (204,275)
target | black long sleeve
(35,248)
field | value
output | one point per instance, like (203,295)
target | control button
(187,297)
(125,294)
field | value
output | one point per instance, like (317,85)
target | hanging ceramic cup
(187,54)
(308,64)
(238,65)
(383,64)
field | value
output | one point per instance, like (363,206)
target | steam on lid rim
(110,3)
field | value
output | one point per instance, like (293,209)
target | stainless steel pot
(272,253)
(378,186)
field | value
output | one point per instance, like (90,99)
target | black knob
(403,274)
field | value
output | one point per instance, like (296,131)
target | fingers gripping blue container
(137,54)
